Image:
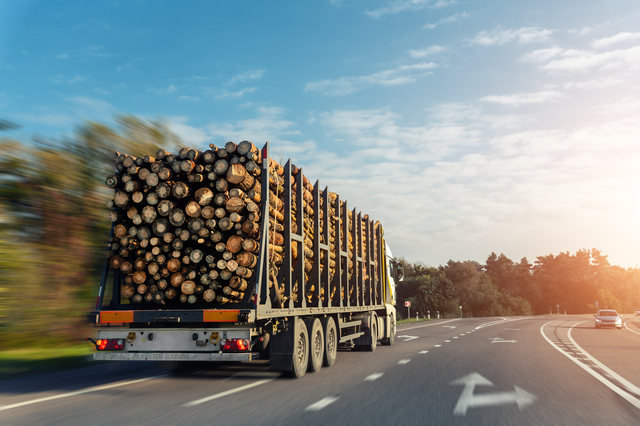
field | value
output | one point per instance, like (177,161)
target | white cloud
(599,83)
(450,19)
(582,60)
(60,79)
(246,76)
(397,7)
(190,135)
(542,55)
(618,38)
(522,35)
(344,85)
(427,51)
(225,94)
(518,99)
(167,91)
(188,98)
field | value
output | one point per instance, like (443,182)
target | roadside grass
(25,362)
(410,320)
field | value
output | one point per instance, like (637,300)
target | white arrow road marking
(448,326)
(322,403)
(404,361)
(407,338)
(374,376)
(501,340)
(469,400)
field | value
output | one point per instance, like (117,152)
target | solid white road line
(627,384)
(627,327)
(627,396)
(80,392)
(428,325)
(229,392)
(374,376)
(404,361)
(322,403)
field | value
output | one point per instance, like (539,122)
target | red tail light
(109,344)
(235,345)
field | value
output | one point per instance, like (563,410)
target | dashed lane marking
(374,376)
(80,392)
(436,346)
(225,393)
(404,361)
(322,403)
(423,352)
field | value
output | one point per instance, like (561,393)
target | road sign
(407,304)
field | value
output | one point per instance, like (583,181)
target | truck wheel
(300,359)
(330,341)
(316,344)
(388,341)
(374,334)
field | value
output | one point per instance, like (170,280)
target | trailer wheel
(388,341)
(374,334)
(300,359)
(330,341)
(316,344)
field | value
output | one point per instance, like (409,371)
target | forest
(54,227)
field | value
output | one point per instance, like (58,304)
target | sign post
(558,307)
(408,305)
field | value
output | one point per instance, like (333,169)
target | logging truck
(226,255)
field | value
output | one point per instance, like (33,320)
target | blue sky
(466,127)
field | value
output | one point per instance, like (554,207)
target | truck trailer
(330,283)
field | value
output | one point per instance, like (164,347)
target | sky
(465,127)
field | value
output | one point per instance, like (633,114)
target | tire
(388,341)
(373,330)
(300,357)
(316,344)
(330,341)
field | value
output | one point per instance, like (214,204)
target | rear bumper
(170,356)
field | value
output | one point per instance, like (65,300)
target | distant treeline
(503,287)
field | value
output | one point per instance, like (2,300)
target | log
(234,205)
(247,259)
(188,287)
(127,291)
(220,167)
(137,197)
(222,185)
(195,225)
(165,207)
(177,217)
(234,244)
(176,279)
(203,196)
(220,199)
(139,277)
(236,173)
(121,199)
(160,226)
(163,190)
(193,209)
(196,256)
(165,173)
(207,212)
(180,190)
(153,198)
(209,295)
(174,265)
(149,214)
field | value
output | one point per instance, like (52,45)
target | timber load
(189,230)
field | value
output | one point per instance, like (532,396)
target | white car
(608,318)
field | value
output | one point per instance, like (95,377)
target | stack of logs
(187,226)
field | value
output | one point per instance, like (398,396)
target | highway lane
(443,372)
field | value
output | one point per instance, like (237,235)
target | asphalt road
(545,370)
